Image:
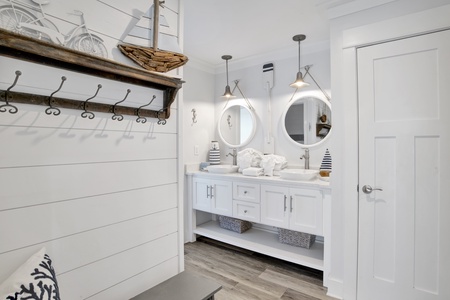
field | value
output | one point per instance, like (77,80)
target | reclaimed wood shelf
(28,49)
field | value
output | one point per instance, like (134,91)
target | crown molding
(256,60)
(355,6)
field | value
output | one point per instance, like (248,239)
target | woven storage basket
(233,224)
(295,238)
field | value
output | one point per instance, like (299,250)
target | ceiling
(248,28)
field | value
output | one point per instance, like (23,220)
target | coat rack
(54,104)
(28,49)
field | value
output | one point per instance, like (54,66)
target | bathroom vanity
(269,203)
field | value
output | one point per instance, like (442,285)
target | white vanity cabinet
(298,209)
(261,200)
(212,196)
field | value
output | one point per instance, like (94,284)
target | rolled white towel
(252,171)
(268,164)
(244,161)
(280,162)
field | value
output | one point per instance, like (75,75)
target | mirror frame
(252,134)
(308,94)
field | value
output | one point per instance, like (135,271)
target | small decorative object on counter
(296,238)
(214,153)
(325,167)
(203,166)
(233,224)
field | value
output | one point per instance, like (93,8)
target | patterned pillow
(35,279)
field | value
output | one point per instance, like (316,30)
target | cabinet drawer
(246,211)
(246,191)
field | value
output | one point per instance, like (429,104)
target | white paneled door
(404,164)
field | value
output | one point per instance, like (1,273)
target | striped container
(214,157)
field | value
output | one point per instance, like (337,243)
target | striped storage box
(214,157)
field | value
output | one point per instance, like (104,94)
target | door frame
(432,20)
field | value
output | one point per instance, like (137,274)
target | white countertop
(193,170)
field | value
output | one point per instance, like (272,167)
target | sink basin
(222,169)
(298,174)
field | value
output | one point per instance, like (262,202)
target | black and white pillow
(35,279)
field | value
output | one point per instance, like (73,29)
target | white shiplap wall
(101,195)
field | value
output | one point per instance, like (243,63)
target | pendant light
(299,83)
(227,93)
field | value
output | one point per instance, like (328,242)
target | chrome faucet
(234,155)
(306,157)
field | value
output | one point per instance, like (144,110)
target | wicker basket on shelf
(296,238)
(233,224)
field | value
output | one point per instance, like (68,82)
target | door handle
(367,189)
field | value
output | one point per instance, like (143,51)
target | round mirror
(307,120)
(237,125)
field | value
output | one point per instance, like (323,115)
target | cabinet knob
(245,211)
(245,192)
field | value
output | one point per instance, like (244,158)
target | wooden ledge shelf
(24,48)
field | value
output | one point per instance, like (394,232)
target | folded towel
(272,164)
(248,158)
(280,162)
(252,171)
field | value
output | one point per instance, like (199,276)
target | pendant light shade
(227,93)
(299,82)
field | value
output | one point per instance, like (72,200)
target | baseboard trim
(335,288)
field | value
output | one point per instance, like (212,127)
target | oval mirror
(307,120)
(237,125)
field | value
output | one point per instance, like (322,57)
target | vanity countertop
(193,170)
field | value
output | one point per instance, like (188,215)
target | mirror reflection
(236,125)
(307,121)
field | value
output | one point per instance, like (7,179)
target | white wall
(198,94)
(102,196)
(251,83)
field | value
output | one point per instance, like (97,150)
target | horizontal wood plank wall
(101,195)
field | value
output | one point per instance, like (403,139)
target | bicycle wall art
(92,26)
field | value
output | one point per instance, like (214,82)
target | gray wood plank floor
(245,275)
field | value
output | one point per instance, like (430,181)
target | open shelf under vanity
(265,242)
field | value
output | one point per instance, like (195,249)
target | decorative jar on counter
(214,153)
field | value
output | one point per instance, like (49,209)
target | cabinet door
(201,194)
(306,211)
(274,210)
(221,200)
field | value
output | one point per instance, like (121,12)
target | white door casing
(404,230)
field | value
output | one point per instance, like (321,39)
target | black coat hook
(142,119)
(161,121)
(12,109)
(54,110)
(89,114)
(116,116)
